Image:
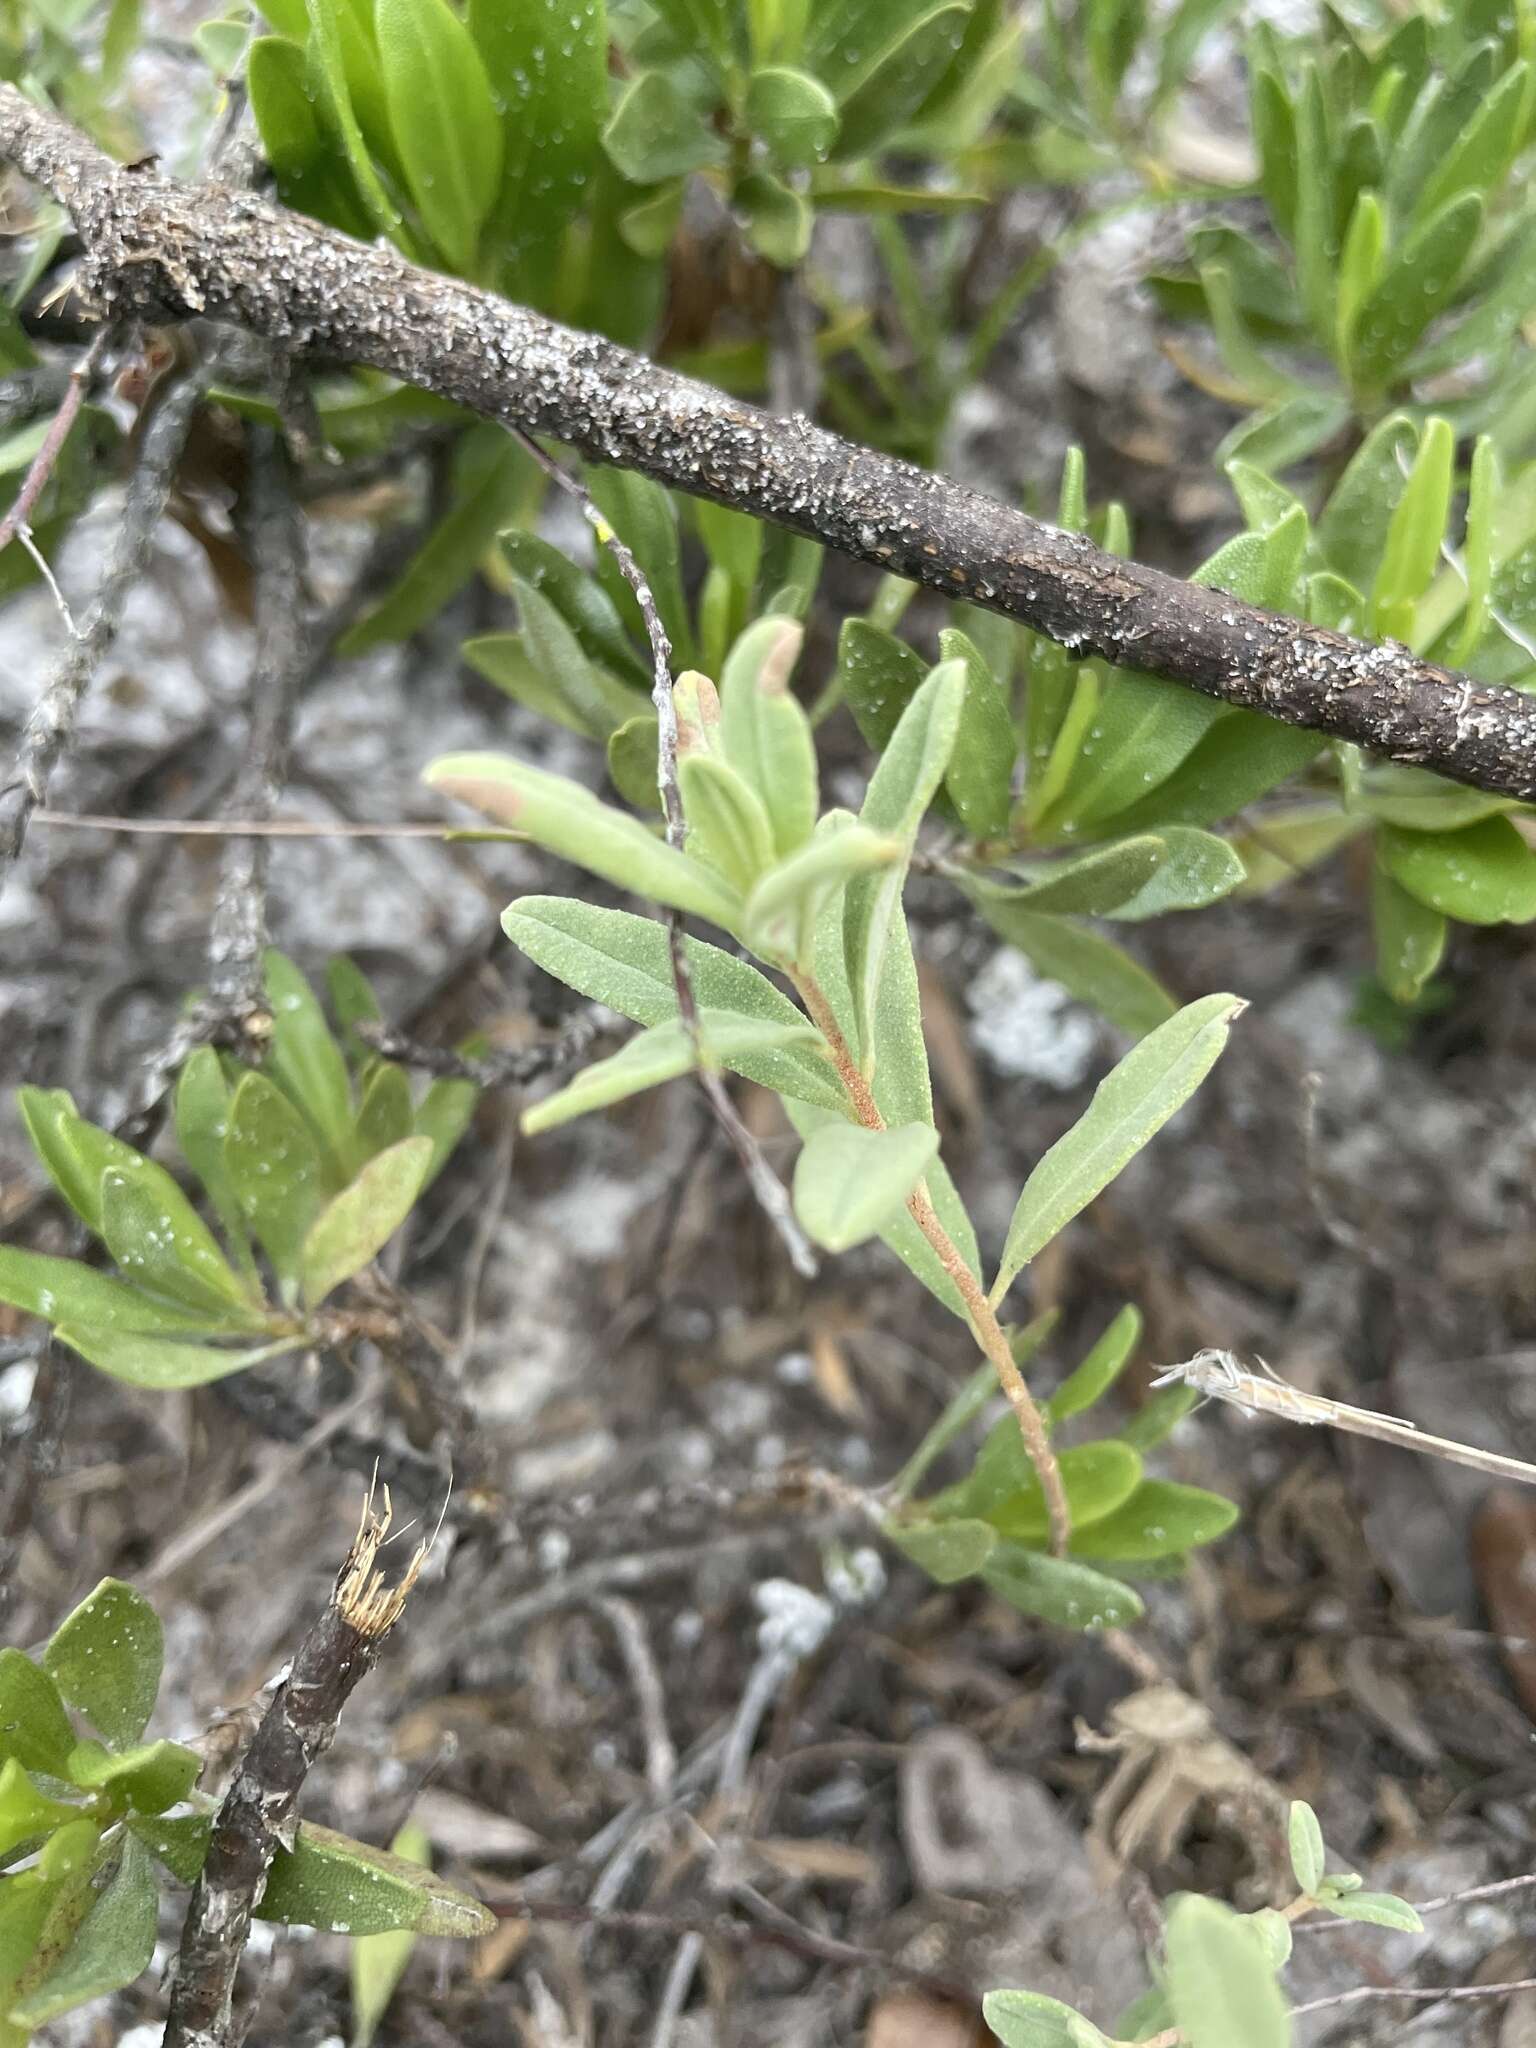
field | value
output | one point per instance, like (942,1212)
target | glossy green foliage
(84,1821)
(308,1167)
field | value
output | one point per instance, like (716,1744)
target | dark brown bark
(159,249)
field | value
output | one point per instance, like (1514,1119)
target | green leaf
(877,677)
(490,477)
(1410,938)
(1306,1841)
(946,1551)
(311,176)
(728,826)
(160,1242)
(66,1290)
(900,791)
(444,121)
(765,734)
(354,1228)
(387,1114)
(980,776)
(781,913)
(329,1881)
(325,41)
(1088,966)
(1128,1108)
(1220,1981)
(644,517)
(1353,527)
(1142,732)
(180,1843)
(1160,1519)
(1480,155)
(632,751)
(587,698)
(878,92)
(1360,268)
(443,1115)
(850,1182)
(275,1169)
(776,216)
(1090,884)
(614,957)
(1242,756)
(377,1961)
(1058,1590)
(1419,283)
(1028,2019)
(24,1812)
(1003,1487)
(792,114)
(203,1098)
(658,132)
(34,1728)
(74,1154)
(306,1062)
(703,27)
(568,820)
(1414,536)
(1197,868)
(580,600)
(732,540)
(661,1053)
(114,1944)
(1484,874)
(547,62)
(150,1776)
(1376,1909)
(1092,1380)
(106,1657)
(1158,1416)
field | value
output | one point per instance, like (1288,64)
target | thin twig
(157,248)
(52,723)
(275,545)
(499,1067)
(1455,1994)
(769,1190)
(723,1931)
(258,1809)
(19,518)
(985,1327)
(628,1625)
(241,828)
(1218,1376)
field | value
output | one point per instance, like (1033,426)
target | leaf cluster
(86,1820)
(308,1166)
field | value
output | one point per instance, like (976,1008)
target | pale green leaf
(163,1362)
(1306,1842)
(765,734)
(728,826)
(781,913)
(662,1053)
(444,119)
(1128,1108)
(850,1182)
(1087,965)
(569,821)
(1377,1909)
(34,1728)
(25,1815)
(1220,1981)
(614,957)
(792,113)
(356,1225)
(1028,2019)
(946,1551)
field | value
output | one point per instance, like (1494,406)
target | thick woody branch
(163,250)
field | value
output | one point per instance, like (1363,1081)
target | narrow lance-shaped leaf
(306,1062)
(444,120)
(165,1362)
(1097,1373)
(274,1166)
(899,794)
(1128,1108)
(765,734)
(569,821)
(661,1054)
(378,1961)
(160,1242)
(727,824)
(328,1880)
(354,1227)
(849,1182)
(781,912)
(69,1291)
(203,1098)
